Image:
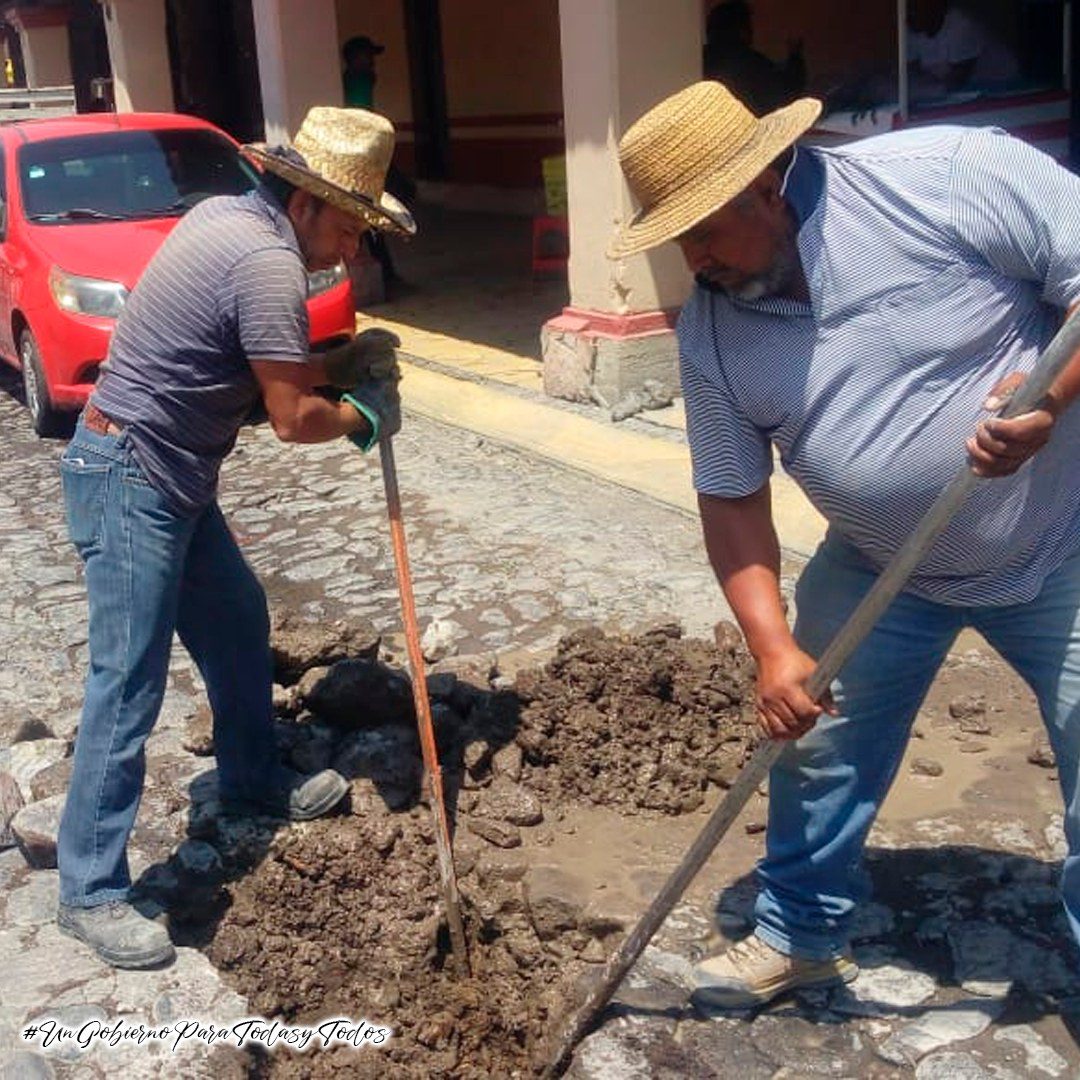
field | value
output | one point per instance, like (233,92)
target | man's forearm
(745,555)
(316,419)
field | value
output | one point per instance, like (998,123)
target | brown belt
(96,421)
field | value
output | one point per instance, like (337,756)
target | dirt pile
(642,723)
(340,917)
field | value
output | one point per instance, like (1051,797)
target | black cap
(361,44)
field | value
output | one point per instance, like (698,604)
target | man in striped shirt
(216,324)
(862,310)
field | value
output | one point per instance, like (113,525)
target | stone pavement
(968,968)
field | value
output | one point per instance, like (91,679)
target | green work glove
(370,355)
(379,402)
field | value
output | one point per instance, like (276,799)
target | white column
(46,55)
(139,53)
(299,61)
(619,58)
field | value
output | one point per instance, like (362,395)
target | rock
(1040,1056)
(441,685)
(1041,753)
(882,989)
(30,729)
(24,1065)
(35,827)
(389,756)
(495,832)
(976,725)
(362,694)
(937,1029)
(754,827)
(510,803)
(198,737)
(308,681)
(494,868)
(967,706)
(313,749)
(200,860)
(285,700)
(11,802)
(554,899)
(29,758)
(506,762)
(922,766)
(52,780)
(475,757)
(439,640)
(956,1065)
(982,957)
(298,645)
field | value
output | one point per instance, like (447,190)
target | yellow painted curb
(652,466)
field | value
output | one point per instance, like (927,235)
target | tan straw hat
(346,153)
(695,151)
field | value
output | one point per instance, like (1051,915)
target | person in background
(731,58)
(950,50)
(358,86)
(358,71)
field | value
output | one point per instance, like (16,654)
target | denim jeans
(825,790)
(151,571)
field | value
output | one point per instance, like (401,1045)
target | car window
(128,174)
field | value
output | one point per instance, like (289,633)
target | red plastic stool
(550,244)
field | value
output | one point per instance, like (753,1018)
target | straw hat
(694,152)
(343,158)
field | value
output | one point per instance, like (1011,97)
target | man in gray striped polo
(217,323)
(861,310)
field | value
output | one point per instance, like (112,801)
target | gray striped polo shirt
(938,260)
(227,286)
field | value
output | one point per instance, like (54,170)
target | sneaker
(304,798)
(118,934)
(752,973)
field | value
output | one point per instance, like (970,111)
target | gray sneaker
(304,798)
(118,934)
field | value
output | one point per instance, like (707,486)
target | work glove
(379,401)
(370,355)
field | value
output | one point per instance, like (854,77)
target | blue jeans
(151,571)
(825,790)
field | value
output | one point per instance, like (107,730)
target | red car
(85,201)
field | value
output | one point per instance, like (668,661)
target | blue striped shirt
(227,286)
(938,260)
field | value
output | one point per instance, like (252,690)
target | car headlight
(85,295)
(320,281)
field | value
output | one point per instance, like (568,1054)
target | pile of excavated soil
(640,723)
(341,917)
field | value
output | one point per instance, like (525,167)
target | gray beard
(775,280)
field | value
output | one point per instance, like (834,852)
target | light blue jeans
(150,571)
(825,790)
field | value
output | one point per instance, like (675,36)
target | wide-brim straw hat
(694,152)
(346,153)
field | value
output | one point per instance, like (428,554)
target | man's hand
(785,710)
(370,355)
(999,447)
(380,402)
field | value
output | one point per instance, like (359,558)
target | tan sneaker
(751,973)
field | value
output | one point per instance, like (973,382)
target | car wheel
(48,421)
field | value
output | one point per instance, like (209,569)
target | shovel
(428,747)
(839,650)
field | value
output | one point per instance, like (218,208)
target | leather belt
(96,421)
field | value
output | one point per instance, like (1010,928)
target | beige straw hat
(347,153)
(694,152)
